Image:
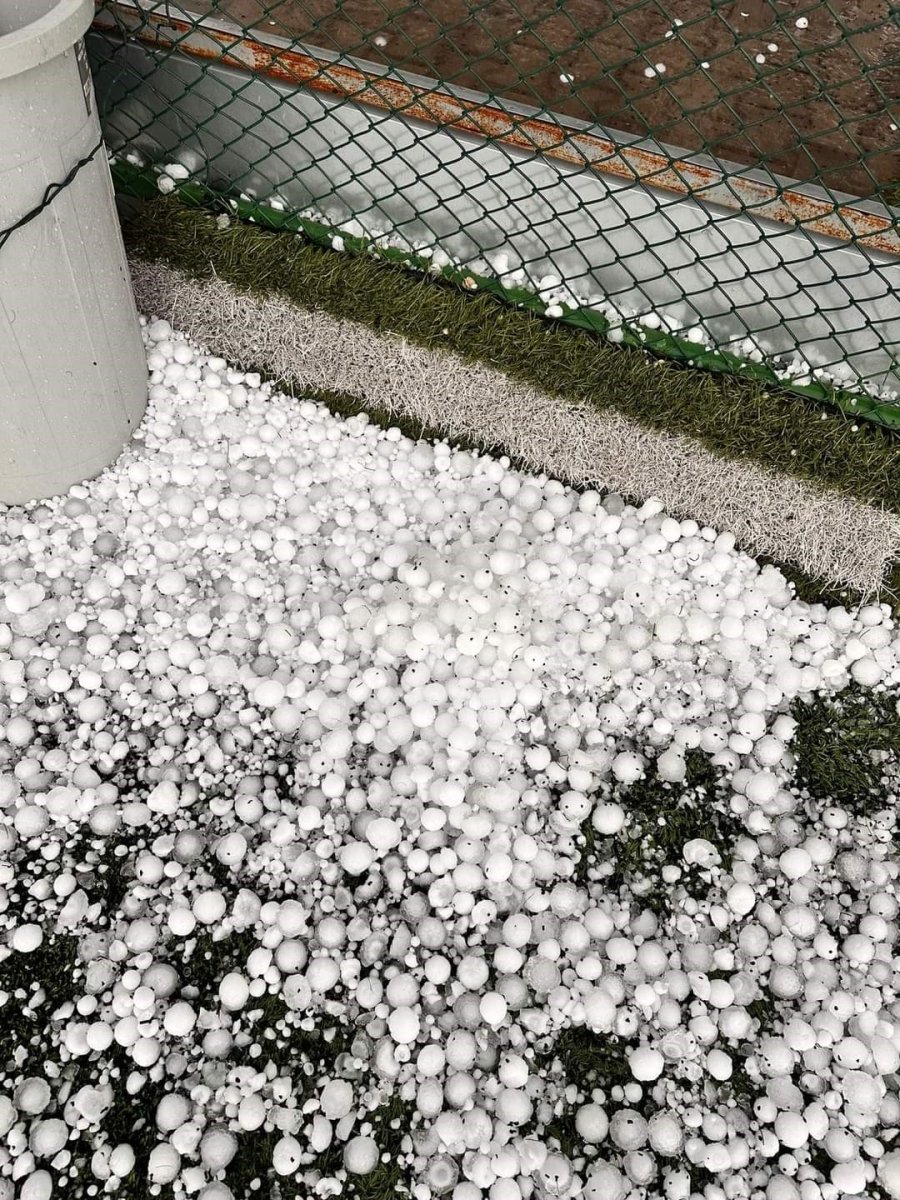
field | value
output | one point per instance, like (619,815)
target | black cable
(50,194)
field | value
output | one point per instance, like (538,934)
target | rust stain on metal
(584,150)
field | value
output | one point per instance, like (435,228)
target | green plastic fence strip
(142,183)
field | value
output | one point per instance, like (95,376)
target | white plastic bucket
(73,377)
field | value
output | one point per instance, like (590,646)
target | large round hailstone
(719,1064)
(361,1155)
(251,1112)
(27,938)
(164,1163)
(513,1106)
(850,1178)
(646,1064)
(287,1155)
(323,973)
(861,1091)
(791,1130)
(171,583)
(795,863)
(592,1123)
(216,1191)
(336,1099)
(165,798)
(37,1186)
(775,1057)
(441,1174)
(217,1148)
(628,767)
(628,1129)
(47,1138)
(493,1009)
(741,899)
(172,1111)
(320,1134)
(851,1053)
(665,1134)
(383,834)
(608,819)
(180,1019)
(555,1175)
(122,1160)
(888,1173)
(234,991)
(268,693)
(297,992)
(599,1010)
(356,857)
(32,1095)
(403,1024)
(605,1182)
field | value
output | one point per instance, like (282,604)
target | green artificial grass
(736,418)
(662,817)
(845,746)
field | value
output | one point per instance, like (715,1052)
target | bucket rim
(44,38)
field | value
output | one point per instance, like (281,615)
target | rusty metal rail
(213,40)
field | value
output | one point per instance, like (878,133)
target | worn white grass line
(831,537)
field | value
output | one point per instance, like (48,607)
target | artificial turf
(736,418)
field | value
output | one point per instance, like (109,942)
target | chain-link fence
(710,180)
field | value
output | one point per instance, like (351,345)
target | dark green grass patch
(845,745)
(34,985)
(735,418)
(661,818)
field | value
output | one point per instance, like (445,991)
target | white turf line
(834,538)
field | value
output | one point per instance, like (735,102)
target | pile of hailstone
(316,753)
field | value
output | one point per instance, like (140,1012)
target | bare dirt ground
(816,107)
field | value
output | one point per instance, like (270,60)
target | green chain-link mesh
(804,90)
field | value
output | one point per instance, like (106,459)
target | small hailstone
(802,22)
